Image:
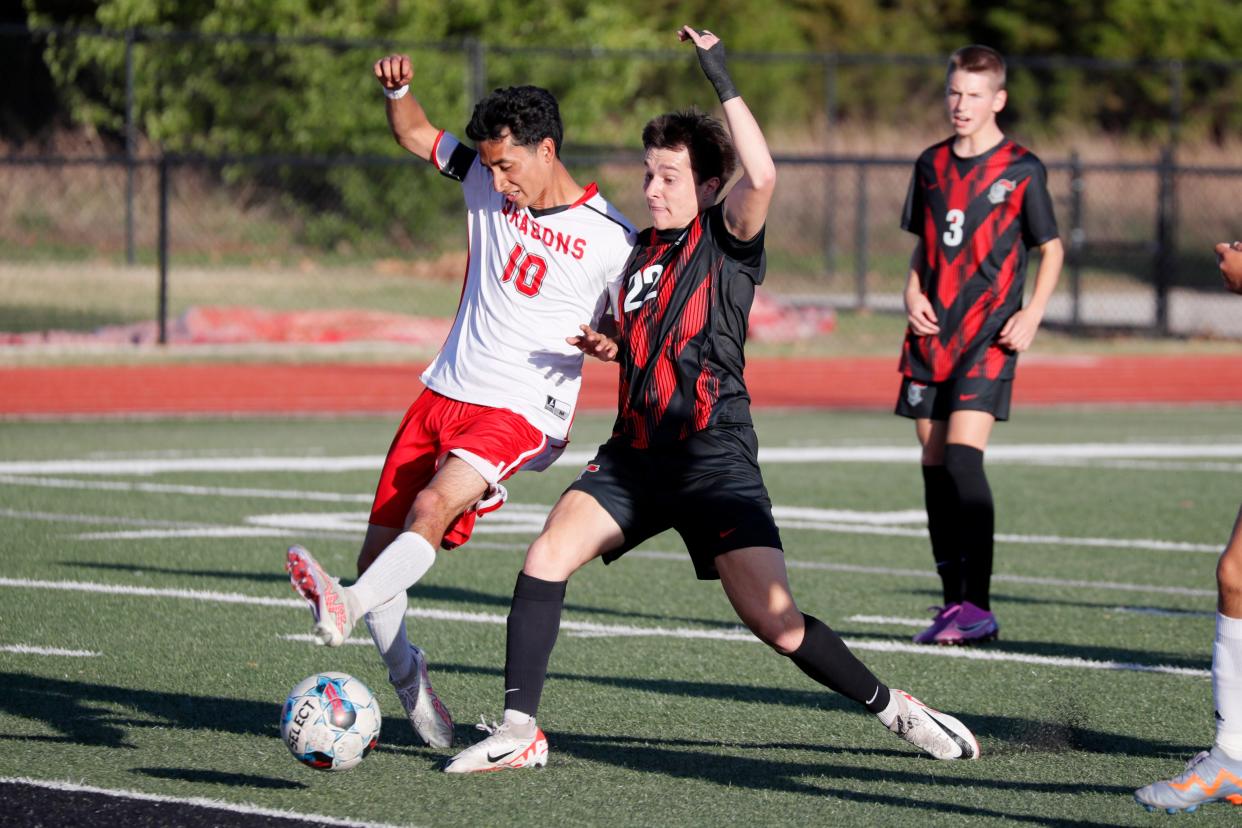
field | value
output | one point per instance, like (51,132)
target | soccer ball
(330,721)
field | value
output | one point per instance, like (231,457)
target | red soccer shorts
(494,441)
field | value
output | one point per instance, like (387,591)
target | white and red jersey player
(503,389)
(533,277)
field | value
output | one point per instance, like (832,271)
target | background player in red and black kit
(977,202)
(683,452)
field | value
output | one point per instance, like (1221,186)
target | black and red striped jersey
(977,218)
(682,317)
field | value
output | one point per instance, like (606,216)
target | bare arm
(746,205)
(1019,332)
(919,311)
(406,117)
(1229,259)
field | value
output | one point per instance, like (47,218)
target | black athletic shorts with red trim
(708,487)
(937,400)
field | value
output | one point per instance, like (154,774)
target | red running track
(870,382)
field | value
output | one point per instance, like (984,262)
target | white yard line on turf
(923,622)
(1024,453)
(593,630)
(1033,580)
(26,649)
(194,801)
(888,619)
(528,518)
(171,488)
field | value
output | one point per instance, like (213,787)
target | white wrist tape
(396,94)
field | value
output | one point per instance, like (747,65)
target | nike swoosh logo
(728,532)
(491,758)
(968,396)
(969,628)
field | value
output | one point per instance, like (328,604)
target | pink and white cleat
(329,604)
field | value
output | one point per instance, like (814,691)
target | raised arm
(746,205)
(1229,258)
(406,117)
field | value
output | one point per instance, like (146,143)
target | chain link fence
(137,236)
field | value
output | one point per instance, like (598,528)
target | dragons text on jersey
(532,278)
(977,218)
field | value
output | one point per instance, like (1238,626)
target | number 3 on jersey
(953,236)
(528,269)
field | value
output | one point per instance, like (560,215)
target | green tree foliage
(211,76)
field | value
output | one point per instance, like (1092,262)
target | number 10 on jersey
(525,270)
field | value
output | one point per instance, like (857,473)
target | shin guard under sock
(824,657)
(534,621)
(940,496)
(976,520)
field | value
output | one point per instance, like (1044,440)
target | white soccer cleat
(507,746)
(939,734)
(427,714)
(326,597)
(1211,776)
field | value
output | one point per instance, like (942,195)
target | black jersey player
(977,203)
(683,451)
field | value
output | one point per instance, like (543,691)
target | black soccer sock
(824,657)
(976,520)
(534,621)
(940,495)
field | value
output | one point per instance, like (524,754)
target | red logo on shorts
(968,397)
(592,467)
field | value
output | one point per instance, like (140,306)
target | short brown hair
(981,59)
(705,139)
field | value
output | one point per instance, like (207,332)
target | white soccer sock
(517,718)
(1227,684)
(387,625)
(399,567)
(889,713)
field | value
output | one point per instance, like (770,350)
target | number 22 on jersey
(525,270)
(642,287)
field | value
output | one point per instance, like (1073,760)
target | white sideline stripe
(206,532)
(592,629)
(170,488)
(60,517)
(1002,537)
(589,630)
(196,801)
(1142,465)
(858,569)
(529,517)
(1022,658)
(1034,452)
(154,592)
(889,619)
(26,649)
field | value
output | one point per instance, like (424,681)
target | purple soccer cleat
(944,615)
(970,625)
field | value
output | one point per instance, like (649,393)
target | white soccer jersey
(533,277)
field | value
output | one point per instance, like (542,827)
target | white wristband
(396,94)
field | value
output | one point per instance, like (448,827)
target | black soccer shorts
(708,487)
(937,400)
